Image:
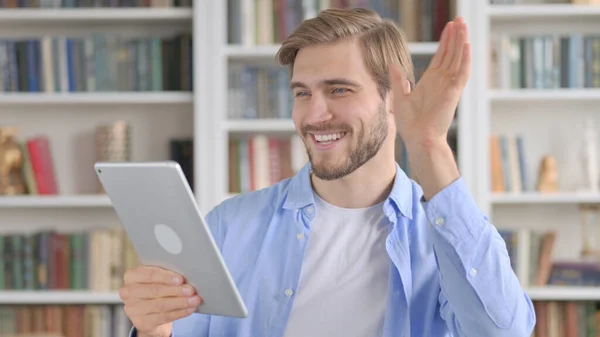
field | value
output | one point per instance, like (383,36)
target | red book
(42,165)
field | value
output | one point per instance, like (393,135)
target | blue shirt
(451,274)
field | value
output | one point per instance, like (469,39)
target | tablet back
(158,211)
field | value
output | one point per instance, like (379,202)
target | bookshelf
(58,297)
(235,49)
(82,16)
(64,72)
(536,98)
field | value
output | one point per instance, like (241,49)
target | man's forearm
(481,295)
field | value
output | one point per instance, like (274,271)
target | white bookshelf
(98,98)
(69,120)
(550,120)
(58,297)
(549,95)
(542,11)
(259,125)
(542,198)
(243,52)
(559,293)
(55,201)
(227,54)
(62,16)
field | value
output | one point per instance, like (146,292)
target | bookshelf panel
(538,24)
(106,99)
(58,297)
(536,10)
(85,16)
(71,135)
(563,218)
(560,293)
(239,52)
(551,128)
(62,219)
(282,125)
(54,201)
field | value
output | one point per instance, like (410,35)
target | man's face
(337,108)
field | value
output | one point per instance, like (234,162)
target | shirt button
(310,210)
(439,221)
(473,271)
(300,236)
(289,292)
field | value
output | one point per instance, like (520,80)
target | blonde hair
(383,43)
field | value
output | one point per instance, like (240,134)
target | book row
(35,171)
(93,3)
(267,22)
(96,62)
(546,61)
(260,161)
(64,320)
(566,318)
(51,260)
(508,164)
(531,254)
(259,91)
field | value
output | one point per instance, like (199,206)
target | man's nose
(318,110)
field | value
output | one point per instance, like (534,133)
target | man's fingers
(441,52)
(465,65)
(165,304)
(452,45)
(150,291)
(170,316)
(149,274)
(461,41)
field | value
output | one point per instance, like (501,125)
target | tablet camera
(168,239)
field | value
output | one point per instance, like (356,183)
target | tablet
(159,213)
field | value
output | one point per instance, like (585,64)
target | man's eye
(339,90)
(300,94)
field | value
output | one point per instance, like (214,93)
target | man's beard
(367,145)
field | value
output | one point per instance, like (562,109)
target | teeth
(329,137)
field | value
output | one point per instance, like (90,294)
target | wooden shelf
(564,293)
(550,198)
(259,125)
(543,11)
(54,201)
(241,52)
(544,95)
(58,297)
(95,98)
(84,16)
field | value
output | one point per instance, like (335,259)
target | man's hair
(382,42)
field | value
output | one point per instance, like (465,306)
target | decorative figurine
(548,175)
(11,163)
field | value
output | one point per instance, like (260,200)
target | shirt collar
(300,193)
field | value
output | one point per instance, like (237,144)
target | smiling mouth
(325,139)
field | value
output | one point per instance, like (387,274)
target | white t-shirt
(344,279)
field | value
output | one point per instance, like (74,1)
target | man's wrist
(433,165)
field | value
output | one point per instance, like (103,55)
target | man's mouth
(329,138)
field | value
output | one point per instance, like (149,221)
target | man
(350,246)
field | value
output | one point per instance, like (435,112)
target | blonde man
(350,246)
